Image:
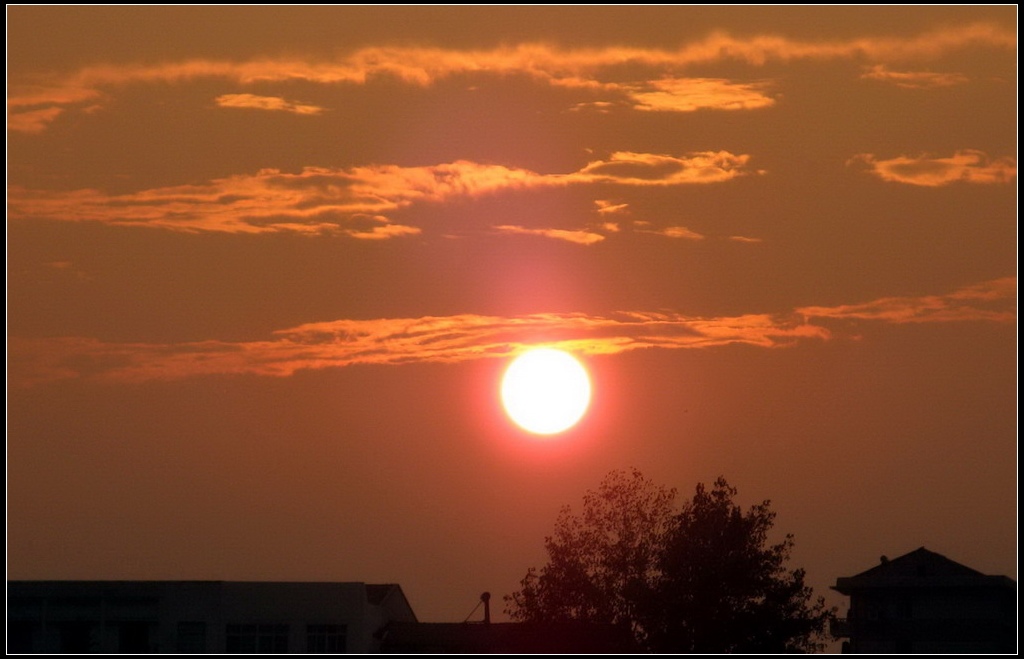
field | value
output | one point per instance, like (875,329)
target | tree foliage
(702,577)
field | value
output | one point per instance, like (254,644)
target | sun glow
(545,391)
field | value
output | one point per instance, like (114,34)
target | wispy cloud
(459,338)
(675,232)
(31,107)
(579,236)
(271,103)
(745,239)
(965,166)
(32,121)
(605,207)
(392,341)
(66,268)
(658,85)
(964,304)
(383,232)
(913,79)
(630,168)
(691,94)
(325,200)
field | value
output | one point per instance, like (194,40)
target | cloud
(676,232)
(313,200)
(759,50)
(32,121)
(272,103)
(642,169)
(745,239)
(384,232)
(658,84)
(389,341)
(601,107)
(964,304)
(964,166)
(579,237)
(465,337)
(691,94)
(913,79)
(605,207)
(324,200)
(31,108)
(67,268)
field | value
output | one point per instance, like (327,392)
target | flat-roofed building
(200,616)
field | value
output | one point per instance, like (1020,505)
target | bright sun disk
(545,391)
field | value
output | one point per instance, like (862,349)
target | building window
(78,637)
(20,635)
(133,637)
(263,638)
(325,638)
(191,637)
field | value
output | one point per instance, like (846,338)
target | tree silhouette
(702,578)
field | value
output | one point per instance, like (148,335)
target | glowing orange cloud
(604,206)
(965,166)
(676,232)
(469,336)
(629,168)
(324,200)
(272,103)
(384,232)
(390,341)
(690,94)
(913,79)
(31,108)
(579,237)
(32,121)
(660,88)
(964,304)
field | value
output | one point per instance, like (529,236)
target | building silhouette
(923,602)
(564,637)
(551,637)
(200,616)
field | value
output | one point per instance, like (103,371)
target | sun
(545,391)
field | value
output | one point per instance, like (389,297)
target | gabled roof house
(923,602)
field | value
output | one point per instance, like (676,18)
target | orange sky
(265,267)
